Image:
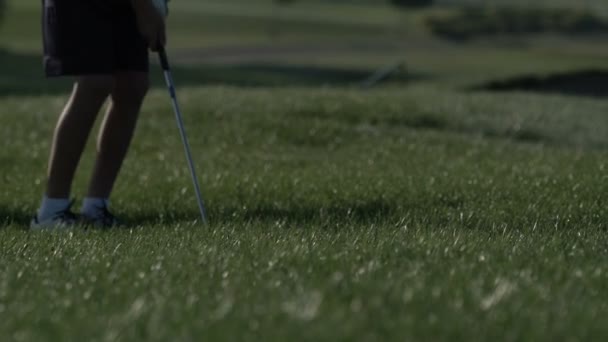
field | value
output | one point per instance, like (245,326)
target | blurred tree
(2,9)
(284,2)
(473,22)
(397,3)
(411,3)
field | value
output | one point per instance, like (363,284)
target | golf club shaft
(164,61)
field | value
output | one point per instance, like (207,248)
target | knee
(130,89)
(95,86)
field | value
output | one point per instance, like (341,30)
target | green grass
(335,215)
(417,210)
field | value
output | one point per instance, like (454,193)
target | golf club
(164,62)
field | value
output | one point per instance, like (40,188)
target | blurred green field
(415,210)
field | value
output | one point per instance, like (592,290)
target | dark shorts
(91,37)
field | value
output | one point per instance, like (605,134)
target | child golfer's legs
(72,132)
(127,91)
(70,137)
(117,131)
(109,39)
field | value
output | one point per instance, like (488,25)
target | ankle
(50,207)
(92,206)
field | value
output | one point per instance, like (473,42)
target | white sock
(91,206)
(51,206)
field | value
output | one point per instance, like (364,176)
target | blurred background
(545,45)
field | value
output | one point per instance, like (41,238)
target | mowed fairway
(417,210)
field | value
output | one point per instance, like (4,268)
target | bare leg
(72,131)
(116,133)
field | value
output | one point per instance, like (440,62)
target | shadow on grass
(591,83)
(370,211)
(360,212)
(14,216)
(22,75)
(364,211)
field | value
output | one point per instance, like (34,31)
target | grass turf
(334,215)
(419,212)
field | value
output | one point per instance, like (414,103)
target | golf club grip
(164,61)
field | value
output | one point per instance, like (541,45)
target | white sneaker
(61,220)
(101,218)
